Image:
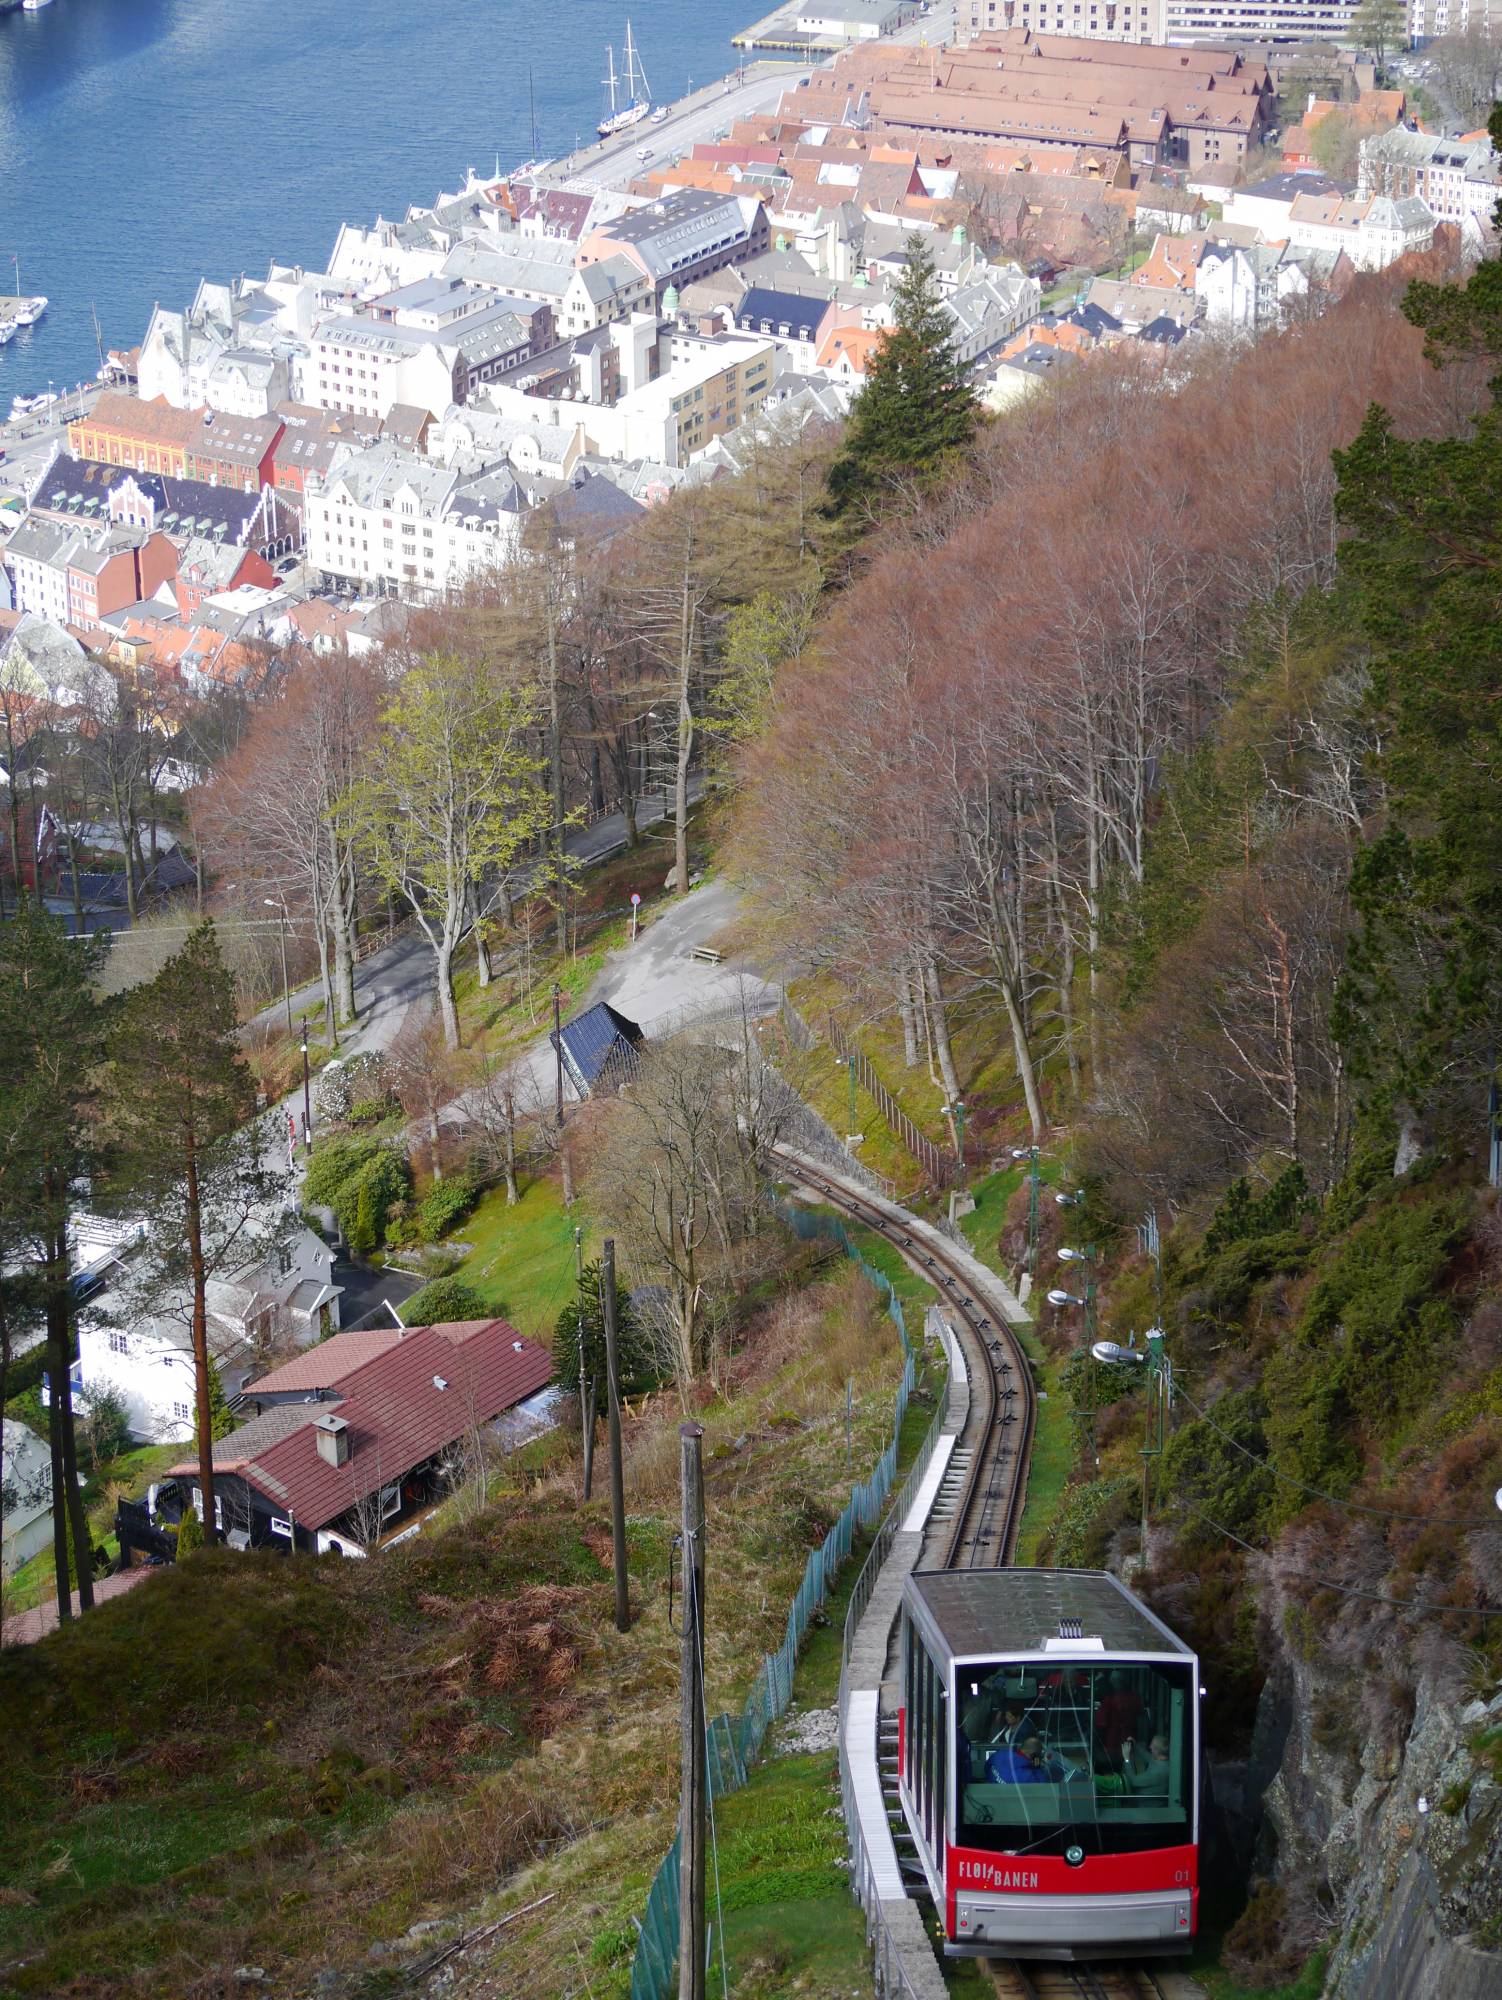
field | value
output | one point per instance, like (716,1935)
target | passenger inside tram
(1108,1748)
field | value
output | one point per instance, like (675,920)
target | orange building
(203,444)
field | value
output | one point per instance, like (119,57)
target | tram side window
(909,1703)
(1109,1749)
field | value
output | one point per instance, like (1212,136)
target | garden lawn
(521,1260)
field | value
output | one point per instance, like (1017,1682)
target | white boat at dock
(17,311)
(639,101)
(35,6)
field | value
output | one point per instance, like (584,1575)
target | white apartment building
(1097,20)
(230,350)
(37,556)
(366,368)
(1373,233)
(709,383)
(367,261)
(390,522)
(1428,19)
(1258,20)
(1457,179)
(1250,288)
(543,269)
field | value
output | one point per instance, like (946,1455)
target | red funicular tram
(1049,1752)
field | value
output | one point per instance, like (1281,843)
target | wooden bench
(707,955)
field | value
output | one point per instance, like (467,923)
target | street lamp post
(281,925)
(1087,1258)
(558,1054)
(1153,1357)
(847,1063)
(307,1100)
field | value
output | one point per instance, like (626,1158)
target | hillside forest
(1123,774)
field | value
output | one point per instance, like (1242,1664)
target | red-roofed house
(351,1447)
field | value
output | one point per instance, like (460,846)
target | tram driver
(1024,1762)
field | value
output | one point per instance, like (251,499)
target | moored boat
(639,101)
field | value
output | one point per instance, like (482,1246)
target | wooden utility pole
(613,1401)
(691,1821)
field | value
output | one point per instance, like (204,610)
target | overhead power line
(1350,1590)
(1330,1499)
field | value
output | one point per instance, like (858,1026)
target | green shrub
(1242,1214)
(443,1300)
(1203,1464)
(1088,1517)
(189,1533)
(445,1206)
(1372,1343)
(370,1112)
(363,1181)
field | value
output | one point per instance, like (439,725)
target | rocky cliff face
(1413,1896)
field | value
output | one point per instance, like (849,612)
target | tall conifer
(916,409)
(51,1039)
(190,1154)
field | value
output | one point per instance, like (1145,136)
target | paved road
(395,979)
(30,443)
(657,983)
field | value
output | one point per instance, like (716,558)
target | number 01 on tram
(1048,1762)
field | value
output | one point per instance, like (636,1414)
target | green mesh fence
(734,1743)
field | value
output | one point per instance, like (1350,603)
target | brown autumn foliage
(969,762)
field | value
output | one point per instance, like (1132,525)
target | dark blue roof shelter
(599,1049)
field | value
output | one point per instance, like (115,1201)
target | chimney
(333,1440)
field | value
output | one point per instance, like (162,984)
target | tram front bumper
(990,1926)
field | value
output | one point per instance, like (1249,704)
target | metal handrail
(891,1974)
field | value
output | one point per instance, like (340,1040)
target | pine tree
(580,1329)
(1421,1008)
(916,409)
(52,1029)
(180,1104)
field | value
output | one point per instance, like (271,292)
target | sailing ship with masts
(638,92)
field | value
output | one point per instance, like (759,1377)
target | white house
(1373,232)
(389,521)
(987,311)
(26,1494)
(144,1355)
(1247,288)
(1458,178)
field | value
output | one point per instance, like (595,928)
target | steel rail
(998,1431)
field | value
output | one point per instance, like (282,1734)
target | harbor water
(147,143)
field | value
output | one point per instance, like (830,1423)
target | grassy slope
(521,1259)
(248,1760)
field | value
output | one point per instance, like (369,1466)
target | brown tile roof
(328,1362)
(157,421)
(397,1414)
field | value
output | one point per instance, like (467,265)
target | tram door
(928,1745)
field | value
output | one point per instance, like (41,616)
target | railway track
(998,1432)
(1028,1979)
(997,1437)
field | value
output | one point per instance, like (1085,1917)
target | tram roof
(1000,1611)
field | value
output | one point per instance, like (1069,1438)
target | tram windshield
(1054,1757)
